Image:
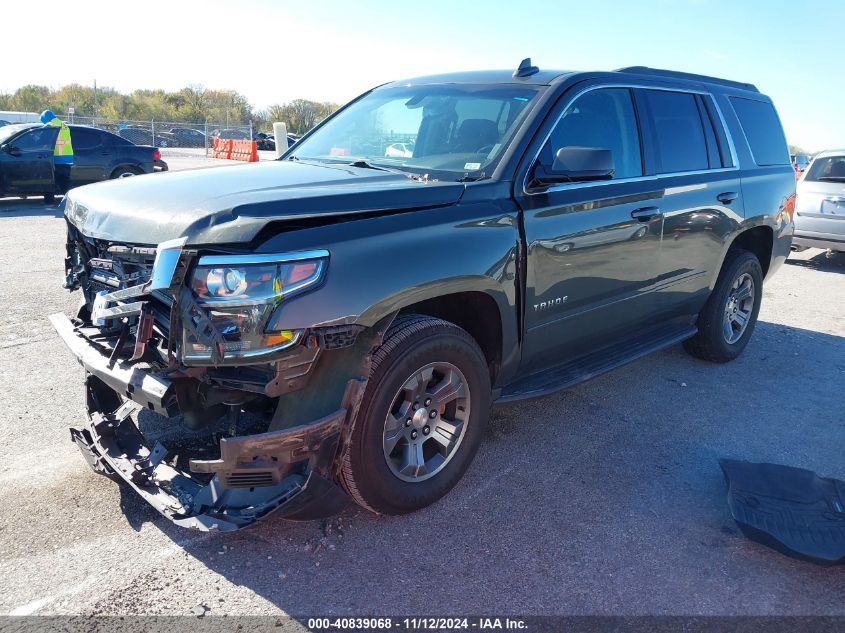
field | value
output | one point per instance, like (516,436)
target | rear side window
(600,118)
(678,131)
(762,128)
(85,138)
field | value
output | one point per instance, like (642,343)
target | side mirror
(12,150)
(577,164)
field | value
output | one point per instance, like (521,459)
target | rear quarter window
(763,131)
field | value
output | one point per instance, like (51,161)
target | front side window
(448,131)
(37,139)
(8,131)
(605,119)
(678,131)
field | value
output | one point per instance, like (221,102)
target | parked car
(399,150)
(4,122)
(367,310)
(145,136)
(26,158)
(820,206)
(231,133)
(264,141)
(267,141)
(188,137)
(800,162)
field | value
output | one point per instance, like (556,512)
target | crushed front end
(195,397)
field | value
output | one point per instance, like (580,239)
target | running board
(594,364)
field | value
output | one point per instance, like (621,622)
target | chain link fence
(171,137)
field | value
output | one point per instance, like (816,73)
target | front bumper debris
(148,390)
(287,473)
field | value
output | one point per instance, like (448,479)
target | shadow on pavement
(834,263)
(31,207)
(611,489)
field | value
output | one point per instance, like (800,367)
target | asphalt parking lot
(604,499)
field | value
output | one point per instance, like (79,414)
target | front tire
(421,419)
(726,322)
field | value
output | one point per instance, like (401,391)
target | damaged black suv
(335,325)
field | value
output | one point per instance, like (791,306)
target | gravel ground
(604,499)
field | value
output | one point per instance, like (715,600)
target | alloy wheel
(426,422)
(738,308)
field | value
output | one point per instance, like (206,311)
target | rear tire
(50,198)
(124,172)
(399,458)
(726,322)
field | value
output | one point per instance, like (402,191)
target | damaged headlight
(239,293)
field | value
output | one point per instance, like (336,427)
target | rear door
(92,155)
(27,162)
(593,247)
(701,201)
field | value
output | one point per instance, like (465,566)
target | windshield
(8,131)
(453,132)
(827,169)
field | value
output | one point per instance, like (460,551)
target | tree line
(192,104)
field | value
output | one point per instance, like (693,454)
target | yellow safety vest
(63,152)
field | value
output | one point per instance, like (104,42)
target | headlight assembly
(240,293)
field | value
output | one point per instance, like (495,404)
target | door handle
(644,214)
(727,197)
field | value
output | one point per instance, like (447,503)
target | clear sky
(332,50)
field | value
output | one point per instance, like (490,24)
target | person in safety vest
(63,152)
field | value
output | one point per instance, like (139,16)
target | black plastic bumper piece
(302,489)
(789,509)
(286,473)
(139,385)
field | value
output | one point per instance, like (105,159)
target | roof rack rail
(673,74)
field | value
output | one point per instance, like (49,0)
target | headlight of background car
(240,293)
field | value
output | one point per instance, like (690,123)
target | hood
(232,204)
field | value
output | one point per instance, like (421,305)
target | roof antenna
(526,69)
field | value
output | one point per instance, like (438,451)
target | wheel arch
(758,240)
(130,166)
(477,313)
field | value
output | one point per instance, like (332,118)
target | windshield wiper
(367,165)
(473,178)
(832,178)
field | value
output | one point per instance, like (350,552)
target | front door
(27,162)
(592,247)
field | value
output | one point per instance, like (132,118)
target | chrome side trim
(259,258)
(593,183)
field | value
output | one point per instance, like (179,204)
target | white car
(820,203)
(399,150)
